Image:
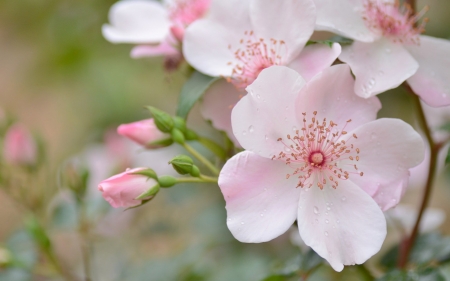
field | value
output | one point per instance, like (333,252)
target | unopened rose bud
(129,189)
(19,146)
(145,133)
(163,120)
(185,165)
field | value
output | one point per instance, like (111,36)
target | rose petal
(378,66)
(218,102)
(267,113)
(343,225)
(331,94)
(209,44)
(431,81)
(347,22)
(261,203)
(385,157)
(137,21)
(315,58)
(274,21)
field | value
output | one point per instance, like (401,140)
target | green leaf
(310,260)
(192,91)
(427,274)
(278,277)
(445,127)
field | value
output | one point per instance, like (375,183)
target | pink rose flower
(122,190)
(143,132)
(241,38)
(316,154)
(388,48)
(157,28)
(19,147)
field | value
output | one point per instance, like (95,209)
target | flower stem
(201,178)
(405,249)
(200,158)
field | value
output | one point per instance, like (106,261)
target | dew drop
(316,210)
(287,107)
(326,221)
(242,222)
(316,220)
(258,96)
(251,129)
(262,215)
(294,128)
(337,221)
(326,233)
(266,137)
(244,132)
(328,208)
(381,73)
(343,198)
(372,82)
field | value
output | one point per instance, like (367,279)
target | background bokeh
(61,78)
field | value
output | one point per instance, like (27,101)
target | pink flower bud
(122,190)
(143,132)
(19,147)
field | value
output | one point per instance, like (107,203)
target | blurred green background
(60,77)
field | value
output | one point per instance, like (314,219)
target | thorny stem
(202,159)
(434,149)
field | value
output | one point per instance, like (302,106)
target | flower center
(320,153)
(316,158)
(394,21)
(184,12)
(254,55)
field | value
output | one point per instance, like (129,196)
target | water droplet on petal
(326,233)
(251,129)
(244,132)
(326,221)
(337,221)
(328,208)
(316,210)
(316,220)
(258,96)
(381,73)
(242,222)
(266,137)
(262,215)
(343,198)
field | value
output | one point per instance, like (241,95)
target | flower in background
(145,133)
(241,38)
(125,189)
(388,47)
(316,154)
(403,218)
(19,147)
(157,28)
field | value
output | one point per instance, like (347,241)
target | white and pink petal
(431,80)
(261,203)
(378,66)
(315,58)
(344,225)
(267,113)
(331,94)
(137,21)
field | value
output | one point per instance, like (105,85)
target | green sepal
(160,143)
(167,181)
(163,120)
(151,192)
(148,173)
(38,233)
(142,203)
(177,136)
(182,164)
